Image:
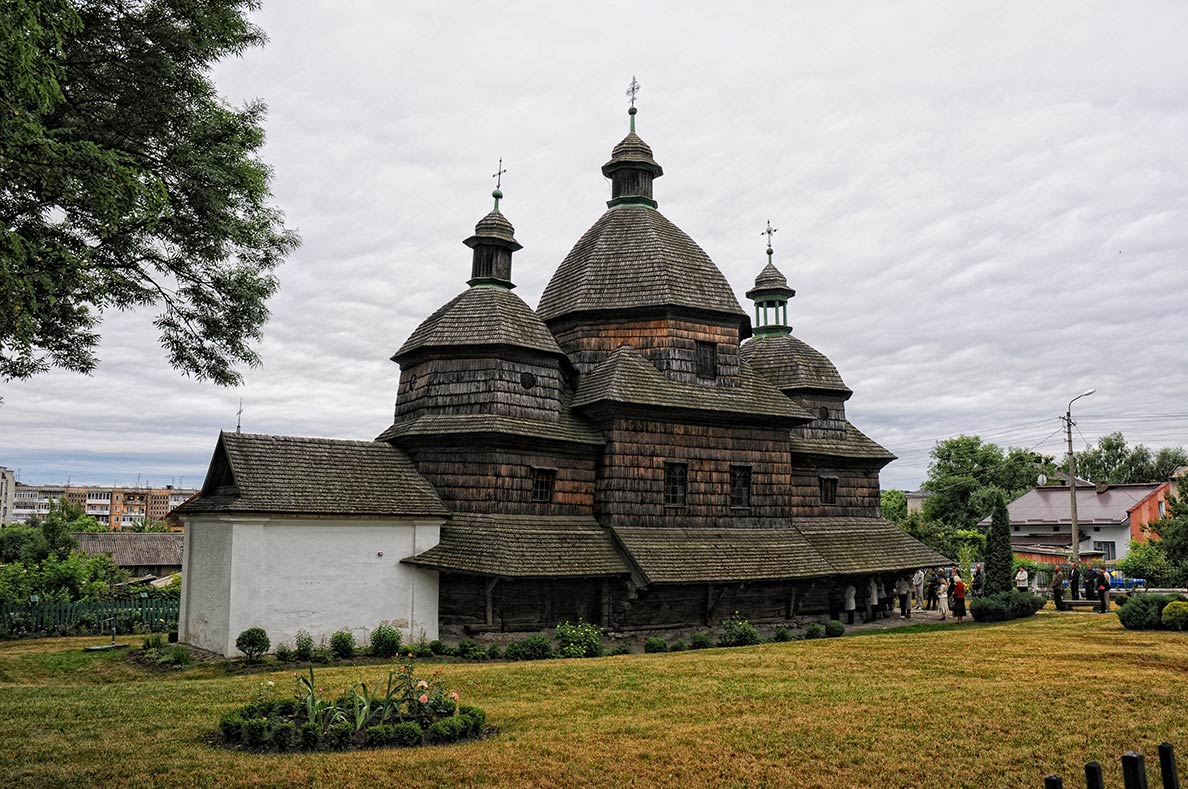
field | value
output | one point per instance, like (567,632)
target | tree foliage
(967,474)
(126,181)
(1114,461)
(893,504)
(41,558)
(1172,532)
(999,557)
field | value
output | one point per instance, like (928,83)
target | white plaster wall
(322,576)
(206,588)
(1119,535)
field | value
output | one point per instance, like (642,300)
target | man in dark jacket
(1074,581)
(1058,589)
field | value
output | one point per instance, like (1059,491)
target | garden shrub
(231,728)
(385,641)
(255,732)
(438,647)
(342,644)
(814,630)
(376,736)
(469,649)
(781,635)
(311,736)
(340,735)
(678,646)
(253,642)
(449,729)
(1002,606)
(621,649)
(494,652)
(406,734)
(321,654)
(285,736)
(738,632)
(1145,611)
(152,642)
(176,655)
(420,649)
(834,628)
(1175,615)
(284,653)
(303,646)
(655,644)
(537,647)
(701,641)
(475,717)
(579,640)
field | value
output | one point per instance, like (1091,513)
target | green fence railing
(90,617)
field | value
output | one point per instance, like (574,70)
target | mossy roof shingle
(866,545)
(634,257)
(133,549)
(313,476)
(523,546)
(790,363)
(482,316)
(853,443)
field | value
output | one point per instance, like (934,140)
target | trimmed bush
(494,652)
(438,647)
(285,736)
(339,735)
(475,717)
(738,632)
(231,728)
(253,642)
(834,628)
(678,646)
(655,644)
(284,653)
(1145,611)
(537,647)
(1175,615)
(621,649)
(310,737)
(385,641)
(420,650)
(814,630)
(406,734)
(701,641)
(255,732)
(1005,605)
(303,646)
(579,640)
(342,644)
(449,729)
(469,649)
(782,635)
(176,655)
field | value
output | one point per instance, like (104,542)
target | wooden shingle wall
(482,385)
(857,492)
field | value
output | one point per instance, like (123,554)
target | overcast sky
(983,208)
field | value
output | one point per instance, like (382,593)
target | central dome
(634,257)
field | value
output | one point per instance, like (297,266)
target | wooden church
(638,451)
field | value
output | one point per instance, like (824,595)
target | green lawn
(970,705)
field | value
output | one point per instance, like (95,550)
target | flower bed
(405,712)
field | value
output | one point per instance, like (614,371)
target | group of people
(1095,582)
(939,589)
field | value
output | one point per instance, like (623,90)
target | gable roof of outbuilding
(133,549)
(482,316)
(313,476)
(634,257)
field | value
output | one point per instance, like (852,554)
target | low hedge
(1145,611)
(1002,606)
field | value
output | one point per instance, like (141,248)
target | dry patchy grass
(999,705)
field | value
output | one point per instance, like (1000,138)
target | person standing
(1103,591)
(850,603)
(1058,589)
(918,588)
(872,600)
(1021,579)
(933,589)
(903,590)
(1074,582)
(942,598)
(978,579)
(958,588)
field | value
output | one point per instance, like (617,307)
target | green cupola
(771,294)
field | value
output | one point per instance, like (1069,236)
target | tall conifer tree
(999,559)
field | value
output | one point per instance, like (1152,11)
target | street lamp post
(1072,480)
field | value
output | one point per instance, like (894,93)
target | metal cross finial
(498,174)
(633,90)
(239,416)
(769,232)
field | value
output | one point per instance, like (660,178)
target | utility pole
(1072,480)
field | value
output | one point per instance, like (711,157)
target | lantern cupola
(771,294)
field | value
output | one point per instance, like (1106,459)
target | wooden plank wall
(481,385)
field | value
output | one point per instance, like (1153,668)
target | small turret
(771,294)
(631,167)
(493,243)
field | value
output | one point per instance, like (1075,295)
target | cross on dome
(498,176)
(769,232)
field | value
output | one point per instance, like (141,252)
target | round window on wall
(527,380)
(823,412)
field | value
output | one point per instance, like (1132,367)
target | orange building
(1151,507)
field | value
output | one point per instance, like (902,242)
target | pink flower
(454,695)
(422,684)
(424,699)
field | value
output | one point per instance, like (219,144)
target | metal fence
(93,617)
(1134,772)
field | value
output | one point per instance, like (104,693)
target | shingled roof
(770,281)
(133,549)
(567,428)
(853,443)
(668,555)
(523,546)
(634,257)
(788,362)
(866,545)
(482,316)
(633,150)
(625,376)
(316,476)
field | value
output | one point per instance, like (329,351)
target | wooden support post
(491,601)
(1053,782)
(709,603)
(792,603)
(1167,766)
(1134,771)
(1093,778)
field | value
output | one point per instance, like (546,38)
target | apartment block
(118,507)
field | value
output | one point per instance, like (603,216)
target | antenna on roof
(239,416)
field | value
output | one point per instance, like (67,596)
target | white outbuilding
(308,534)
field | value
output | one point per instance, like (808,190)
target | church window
(823,412)
(707,360)
(740,486)
(527,380)
(676,482)
(543,480)
(828,490)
